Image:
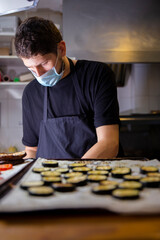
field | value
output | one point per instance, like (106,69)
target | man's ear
(62,48)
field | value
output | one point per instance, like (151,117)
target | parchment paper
(149,202)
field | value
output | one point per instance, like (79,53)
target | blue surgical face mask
(50,78)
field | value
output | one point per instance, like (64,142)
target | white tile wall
(11,117)
(15,113)
(125,97)
(10,137)
(4,113)
(154,102)
(140,104)
(140,80)
(154,81)
(125,105)
(158,98)
(141,94)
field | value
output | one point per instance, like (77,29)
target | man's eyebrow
(37,65)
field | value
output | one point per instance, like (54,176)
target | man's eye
(43,64)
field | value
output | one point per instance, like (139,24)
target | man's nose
(39,71)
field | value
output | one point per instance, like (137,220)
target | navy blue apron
(69,136)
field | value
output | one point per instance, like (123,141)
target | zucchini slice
(126,194)
(78,181)
(119,172)
(41,191)
(147,169)
(50,163)
(50,174)
(132,177)
(150,182)
(28,184)
(63,187)
(48,180)
(131,185)
(96,178)
(98,172)
(73,174)
(73,165)
(107,168)
(82,169)
(103,189)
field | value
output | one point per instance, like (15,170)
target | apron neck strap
(80,96)
(45,104)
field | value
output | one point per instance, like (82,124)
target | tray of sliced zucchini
(121,186)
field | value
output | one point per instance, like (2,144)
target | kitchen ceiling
(112,31)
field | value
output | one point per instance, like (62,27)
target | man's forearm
(102,149)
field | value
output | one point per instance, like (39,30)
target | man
(70,110)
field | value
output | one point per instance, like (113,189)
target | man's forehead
(36,60)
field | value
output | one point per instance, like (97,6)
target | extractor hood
(12,6)
(113,31)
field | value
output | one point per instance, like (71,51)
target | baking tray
(19,200)
(10,177)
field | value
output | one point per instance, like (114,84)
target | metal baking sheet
(19,200)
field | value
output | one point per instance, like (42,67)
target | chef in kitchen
(70,110)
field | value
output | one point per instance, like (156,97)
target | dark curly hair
(36,36)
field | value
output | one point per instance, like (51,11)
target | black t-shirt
(98,88)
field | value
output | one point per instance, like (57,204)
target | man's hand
(31,152)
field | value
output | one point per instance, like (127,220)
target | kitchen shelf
(8,57)
(7,34)
(13,83)
(10,60)
(15,63)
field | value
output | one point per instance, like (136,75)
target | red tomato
(4,167)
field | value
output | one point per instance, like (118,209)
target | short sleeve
(106,109)
(30,137)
